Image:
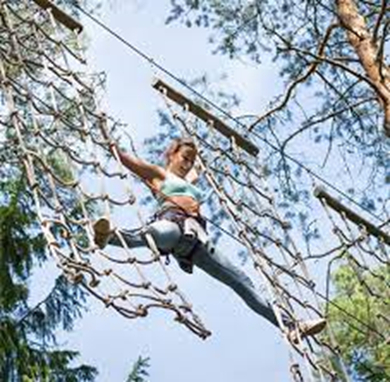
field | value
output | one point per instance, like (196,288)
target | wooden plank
(321,193)
(205,116)
(60,15)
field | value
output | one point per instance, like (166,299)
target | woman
(179,229)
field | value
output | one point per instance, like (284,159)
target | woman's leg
(220,267)
(165,233)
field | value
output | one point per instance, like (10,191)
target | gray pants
(167,234)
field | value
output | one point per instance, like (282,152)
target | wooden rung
(60,15)
(321,193)
(205,116)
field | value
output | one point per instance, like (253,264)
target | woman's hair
(175,145)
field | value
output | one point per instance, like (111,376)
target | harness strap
(194,233)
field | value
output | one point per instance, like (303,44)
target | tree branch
(379,21)
(312,68)
(312,123)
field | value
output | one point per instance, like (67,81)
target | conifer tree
(28,330)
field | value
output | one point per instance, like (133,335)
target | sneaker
(306,329)
(102,232)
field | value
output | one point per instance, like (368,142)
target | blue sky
(243,346)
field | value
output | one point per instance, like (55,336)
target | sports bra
(173,185)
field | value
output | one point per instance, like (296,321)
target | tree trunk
(367,50)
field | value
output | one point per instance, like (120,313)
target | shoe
(306,329)
(102,232)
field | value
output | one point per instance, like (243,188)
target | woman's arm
(153,175)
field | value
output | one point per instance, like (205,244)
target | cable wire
(139,52)
(221,110)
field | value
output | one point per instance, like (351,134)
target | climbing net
(363,249)
(233,168)
(52,118)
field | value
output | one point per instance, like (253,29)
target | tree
(139,370)
(331,57)
(28,348)
(28,332)
(331,119)
(361,295)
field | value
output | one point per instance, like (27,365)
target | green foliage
(19,239)
(28,347)
(139,371)
(27,333)
(364,339)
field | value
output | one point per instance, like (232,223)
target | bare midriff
(187,203)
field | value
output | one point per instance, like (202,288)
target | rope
(271,242)
(52,111)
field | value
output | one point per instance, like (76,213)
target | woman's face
(181,161)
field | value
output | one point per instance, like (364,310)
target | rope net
(51,118)
(295,278)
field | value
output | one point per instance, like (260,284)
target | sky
(243,346)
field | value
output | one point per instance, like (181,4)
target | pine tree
(28,347)
(139,371)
